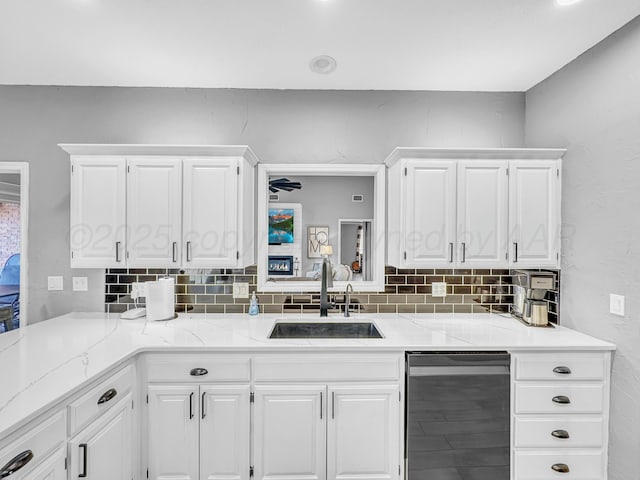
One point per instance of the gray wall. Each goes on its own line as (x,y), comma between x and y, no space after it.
(281,126)
(592,107)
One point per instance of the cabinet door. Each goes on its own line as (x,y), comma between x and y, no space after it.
(430,224)
(534,213)
(210,213)
(482,213)
(154,208)
(98,221)
(102,451)
(363,432)
(289,432)
(53,468)
(224,432)
(172,439)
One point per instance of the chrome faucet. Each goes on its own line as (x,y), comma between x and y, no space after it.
(347,297)
(326,282)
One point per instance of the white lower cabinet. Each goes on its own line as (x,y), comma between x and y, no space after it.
(327,431)
(560,410)
(103,450)
(290,432)
(362,439)
(198,432)
(53,468)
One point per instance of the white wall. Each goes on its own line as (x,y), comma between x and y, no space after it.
(281,126)
(592,107)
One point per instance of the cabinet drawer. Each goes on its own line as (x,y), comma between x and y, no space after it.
(100,398)
(40,439)
(331,367)
(558,432)
(198,367)
(538,465)
(539,398)
(560,366)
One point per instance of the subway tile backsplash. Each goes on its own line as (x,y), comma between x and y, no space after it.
(406,291)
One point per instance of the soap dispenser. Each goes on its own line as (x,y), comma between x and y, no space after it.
(254,308)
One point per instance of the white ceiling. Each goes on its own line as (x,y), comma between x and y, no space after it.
(470,45)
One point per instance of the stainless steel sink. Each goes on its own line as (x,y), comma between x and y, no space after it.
(325,330)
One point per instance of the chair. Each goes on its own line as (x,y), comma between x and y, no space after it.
(10,275)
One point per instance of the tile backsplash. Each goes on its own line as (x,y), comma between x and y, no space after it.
(406,291)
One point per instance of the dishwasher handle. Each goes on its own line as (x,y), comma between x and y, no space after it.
(458,359)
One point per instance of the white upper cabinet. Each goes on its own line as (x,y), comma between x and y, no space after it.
(482,212)
(430,218)
(534,213)
(467,208)
(211,207)
(154,207)
(98,211)
(162,206)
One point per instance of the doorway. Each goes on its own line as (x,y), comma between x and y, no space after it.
(14,182)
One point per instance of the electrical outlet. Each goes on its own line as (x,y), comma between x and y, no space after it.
(240,290)
(616,304)
(55,283)
(80,284)
(439,289)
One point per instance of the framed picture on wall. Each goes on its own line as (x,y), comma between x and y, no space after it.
(316,237)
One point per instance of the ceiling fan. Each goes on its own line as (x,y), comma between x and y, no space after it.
(283,184)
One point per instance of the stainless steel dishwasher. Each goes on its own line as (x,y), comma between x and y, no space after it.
(457,416)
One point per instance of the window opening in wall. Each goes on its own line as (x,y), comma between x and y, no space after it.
(13,177)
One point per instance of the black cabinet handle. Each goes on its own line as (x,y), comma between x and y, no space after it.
(515,252)
(84,448)
(450,252)
(190,405)
(560,434)
(464,252)
(202,405)
(118,251)
(560,467)
(562,370)
(188,251)
(198,372)
(16,463)
(562,399)
(108,395)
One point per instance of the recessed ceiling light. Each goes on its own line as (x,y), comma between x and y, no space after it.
(567,2)
(323,64)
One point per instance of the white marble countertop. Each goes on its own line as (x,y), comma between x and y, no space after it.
(42,364)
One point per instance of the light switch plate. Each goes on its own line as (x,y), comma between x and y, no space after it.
(240,290)
(616,304)
(55,283)
(80,284)
(439,289)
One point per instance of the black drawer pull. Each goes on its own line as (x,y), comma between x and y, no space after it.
(562,399)
(560,434)
(562,370)
(560,467)
(108,395)
(198,372)
(16,463)
(84,448)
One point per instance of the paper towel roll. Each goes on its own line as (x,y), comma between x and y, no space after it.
(160,299)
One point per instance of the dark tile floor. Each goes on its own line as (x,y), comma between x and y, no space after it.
(459,428)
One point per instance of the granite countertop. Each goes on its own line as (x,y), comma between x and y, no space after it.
(42,364)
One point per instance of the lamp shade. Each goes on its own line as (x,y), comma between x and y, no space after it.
(326,250)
